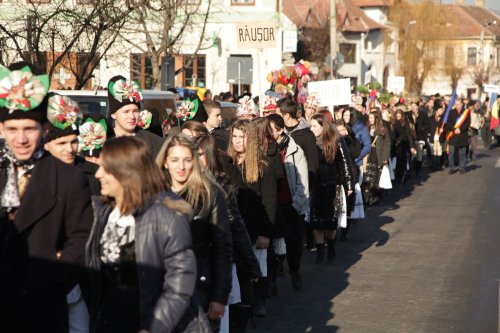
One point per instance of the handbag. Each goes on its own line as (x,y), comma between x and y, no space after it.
(372,171)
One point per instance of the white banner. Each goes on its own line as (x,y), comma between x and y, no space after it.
(490,88)
(256,35)
(332,92)
(396,84)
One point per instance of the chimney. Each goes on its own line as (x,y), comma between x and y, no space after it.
(480,3)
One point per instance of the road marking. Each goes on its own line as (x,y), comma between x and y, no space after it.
(497,165)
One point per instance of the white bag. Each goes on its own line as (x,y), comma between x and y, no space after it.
(385,178)
(358,212)
(342,219)
(392,167)
(279,246)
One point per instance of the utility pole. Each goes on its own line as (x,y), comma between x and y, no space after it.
(333,37)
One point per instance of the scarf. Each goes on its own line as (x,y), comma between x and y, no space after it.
(10,197)
(283,144)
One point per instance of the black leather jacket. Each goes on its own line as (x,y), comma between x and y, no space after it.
(212,245)
(166,265)
(243,254)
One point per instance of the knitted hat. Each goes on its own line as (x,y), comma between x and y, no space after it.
(122,92)
(64,116)
(92,135)
(23,92)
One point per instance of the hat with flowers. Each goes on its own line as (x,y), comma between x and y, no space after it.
(23,92)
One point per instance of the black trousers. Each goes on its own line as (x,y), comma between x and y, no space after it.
(292,235)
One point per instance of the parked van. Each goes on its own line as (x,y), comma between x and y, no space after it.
(159,103)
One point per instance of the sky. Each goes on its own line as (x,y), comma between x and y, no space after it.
(492,4)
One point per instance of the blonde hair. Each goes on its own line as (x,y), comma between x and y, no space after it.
(198,189)
(254,162)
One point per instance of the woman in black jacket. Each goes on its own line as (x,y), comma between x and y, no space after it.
(257,197)
(210,227)
(247,266)
(139,250)
(405,145)
(335,169)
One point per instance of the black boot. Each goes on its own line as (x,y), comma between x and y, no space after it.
(320,253)
(309,236)
(418,168)
(331,249)
(239,316)
(260,293)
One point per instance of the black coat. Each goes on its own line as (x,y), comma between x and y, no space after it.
(221,137)
(55,216)
(89,169)
(402,136)
(212,245)
(462,139)
(257,202)
(166,266)
(422,125)
(243,254)
(153,141)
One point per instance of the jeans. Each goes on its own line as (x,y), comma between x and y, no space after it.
(462,154)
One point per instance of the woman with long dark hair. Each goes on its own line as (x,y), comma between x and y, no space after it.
(405,144)
(245,262)
(210,228)
(257,196)
(139,250)
(334,170)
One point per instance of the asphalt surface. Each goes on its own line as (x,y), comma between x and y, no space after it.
(425,260)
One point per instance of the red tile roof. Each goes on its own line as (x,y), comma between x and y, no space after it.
(461,21)
(373,3)
(314,14)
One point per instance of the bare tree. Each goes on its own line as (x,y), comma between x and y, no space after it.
(419,26)
(162,26)
(61,32)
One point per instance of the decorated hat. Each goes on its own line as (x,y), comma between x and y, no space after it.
(92,136)
(23,92)
(246,107)
(64,116)
(270,103)
(192,109)
(122,92)
(312,101)
(145,119)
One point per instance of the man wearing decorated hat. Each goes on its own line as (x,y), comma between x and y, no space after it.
(45,215)
(124,106)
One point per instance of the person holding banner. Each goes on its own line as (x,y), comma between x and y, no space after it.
(456,127)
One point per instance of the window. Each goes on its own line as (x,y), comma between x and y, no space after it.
(242,2)
(449,56)
(348,51)
(194,73)
(471,56)
(141,70)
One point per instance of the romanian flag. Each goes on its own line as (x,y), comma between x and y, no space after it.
(494,111)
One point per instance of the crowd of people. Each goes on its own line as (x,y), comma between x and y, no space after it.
(107,227)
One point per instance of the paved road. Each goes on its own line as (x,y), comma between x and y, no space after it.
(426,260)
